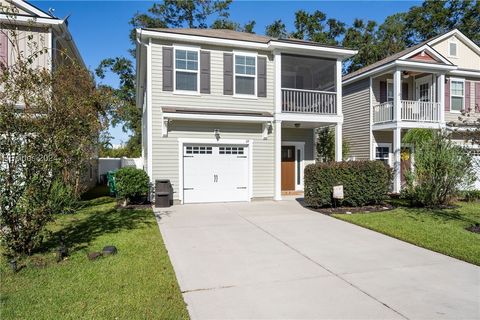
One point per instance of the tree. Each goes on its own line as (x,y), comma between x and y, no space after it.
(316,27)
(326,145)
(362,36)
(49,127)
(276,30)
(441,169)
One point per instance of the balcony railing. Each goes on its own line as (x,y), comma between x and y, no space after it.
(309,101)
(418,111)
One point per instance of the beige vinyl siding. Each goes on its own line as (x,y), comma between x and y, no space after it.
(40,40)
(453,116)
(356,113)
(216,99)
(165,151)
(7,7)
(301,135)
(466,57)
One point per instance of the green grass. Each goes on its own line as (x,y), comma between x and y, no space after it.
(137,283)
(440,230)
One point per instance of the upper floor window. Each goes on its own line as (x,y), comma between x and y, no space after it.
(452,49)
(457,95)
(245,74)
(186,70)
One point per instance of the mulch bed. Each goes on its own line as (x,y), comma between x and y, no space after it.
(475,228)
(356,210)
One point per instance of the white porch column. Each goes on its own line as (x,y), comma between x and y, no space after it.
(338,82)
(397,94)
(278,160)
(278,81)
(338,142)
(441,96)
(397,143)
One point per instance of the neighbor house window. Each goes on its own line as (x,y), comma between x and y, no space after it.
(457,95)
(245,72)
(382,153)
(452,49)
(186,70)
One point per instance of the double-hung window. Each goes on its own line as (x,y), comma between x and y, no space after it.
(457,95)
(245,74)
(186,70)
(382,153)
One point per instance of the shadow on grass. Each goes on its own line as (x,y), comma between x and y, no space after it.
(441,214)
(79,233)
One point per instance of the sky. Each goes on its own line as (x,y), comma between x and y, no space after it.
(101,28)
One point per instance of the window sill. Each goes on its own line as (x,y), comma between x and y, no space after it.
(186,93)
(455,111)
(244,96)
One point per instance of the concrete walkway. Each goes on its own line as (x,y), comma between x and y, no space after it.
(278,260)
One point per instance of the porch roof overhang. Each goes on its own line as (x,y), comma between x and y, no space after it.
(309,119)
(408,125)
(220,115)
(407,65)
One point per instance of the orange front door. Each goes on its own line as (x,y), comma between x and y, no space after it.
(288,168)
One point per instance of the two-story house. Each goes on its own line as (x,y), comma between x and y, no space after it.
(425,86)
(230,116)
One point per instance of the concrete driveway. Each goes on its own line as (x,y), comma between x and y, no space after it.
(278,260)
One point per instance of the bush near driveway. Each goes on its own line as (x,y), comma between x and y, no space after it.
(364,183)
(131,184)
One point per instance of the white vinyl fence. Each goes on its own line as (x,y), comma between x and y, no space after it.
(109,164)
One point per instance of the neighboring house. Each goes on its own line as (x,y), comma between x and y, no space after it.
(230,116)
(36,29)
(425,86)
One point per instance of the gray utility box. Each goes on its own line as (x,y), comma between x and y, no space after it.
(163,193)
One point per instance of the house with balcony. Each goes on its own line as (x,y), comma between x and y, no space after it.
(230,116)
(424,86)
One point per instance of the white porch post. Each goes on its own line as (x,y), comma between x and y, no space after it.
(278,160)
(441,96)
(397,94)
(278,81)
(397,136)
(338,142)
(338,82)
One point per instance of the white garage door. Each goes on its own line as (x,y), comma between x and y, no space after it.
(215,173)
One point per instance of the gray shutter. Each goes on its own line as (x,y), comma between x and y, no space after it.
(167,73)
(383,91)
(204,71)
(228,73)
(262,77)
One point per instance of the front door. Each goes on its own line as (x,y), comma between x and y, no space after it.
(424,89)
(288,168)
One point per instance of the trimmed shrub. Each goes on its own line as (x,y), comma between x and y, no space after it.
(132,185)
(62,198)
(364,183)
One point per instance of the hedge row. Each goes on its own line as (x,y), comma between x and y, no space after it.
(364,183)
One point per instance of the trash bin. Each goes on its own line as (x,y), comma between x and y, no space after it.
(163,193)
(111,183)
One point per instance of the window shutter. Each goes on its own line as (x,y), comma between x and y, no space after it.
(467,105)
(383,91)
(404,91)
(447,95)
(477,97)
(205,71)
(167,73)
(262,77)
(3,48)
(228,73)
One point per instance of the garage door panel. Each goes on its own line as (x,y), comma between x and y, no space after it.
(215,173)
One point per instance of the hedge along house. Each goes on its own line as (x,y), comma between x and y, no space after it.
(425,86)
(230,116)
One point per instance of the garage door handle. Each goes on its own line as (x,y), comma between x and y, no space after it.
(241,187)
(215,178)
(241,156)
(187,188)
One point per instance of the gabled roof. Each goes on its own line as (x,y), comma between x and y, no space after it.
(472,45)
(407,53)
(30,8)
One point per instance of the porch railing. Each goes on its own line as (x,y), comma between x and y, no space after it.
(309,101)
(418,111)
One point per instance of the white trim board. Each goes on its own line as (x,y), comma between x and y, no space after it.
(215,117)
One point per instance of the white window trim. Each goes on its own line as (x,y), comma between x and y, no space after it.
(456,44)
(188,48)
(457,80)
(214,142)
(299,145)
(239,95)
(390,154)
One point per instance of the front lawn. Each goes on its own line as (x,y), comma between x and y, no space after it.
(137,283)
(438,230)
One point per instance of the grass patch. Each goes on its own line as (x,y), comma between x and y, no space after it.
(137,283)
(440,230)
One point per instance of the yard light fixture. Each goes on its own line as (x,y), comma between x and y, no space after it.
(13,265)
